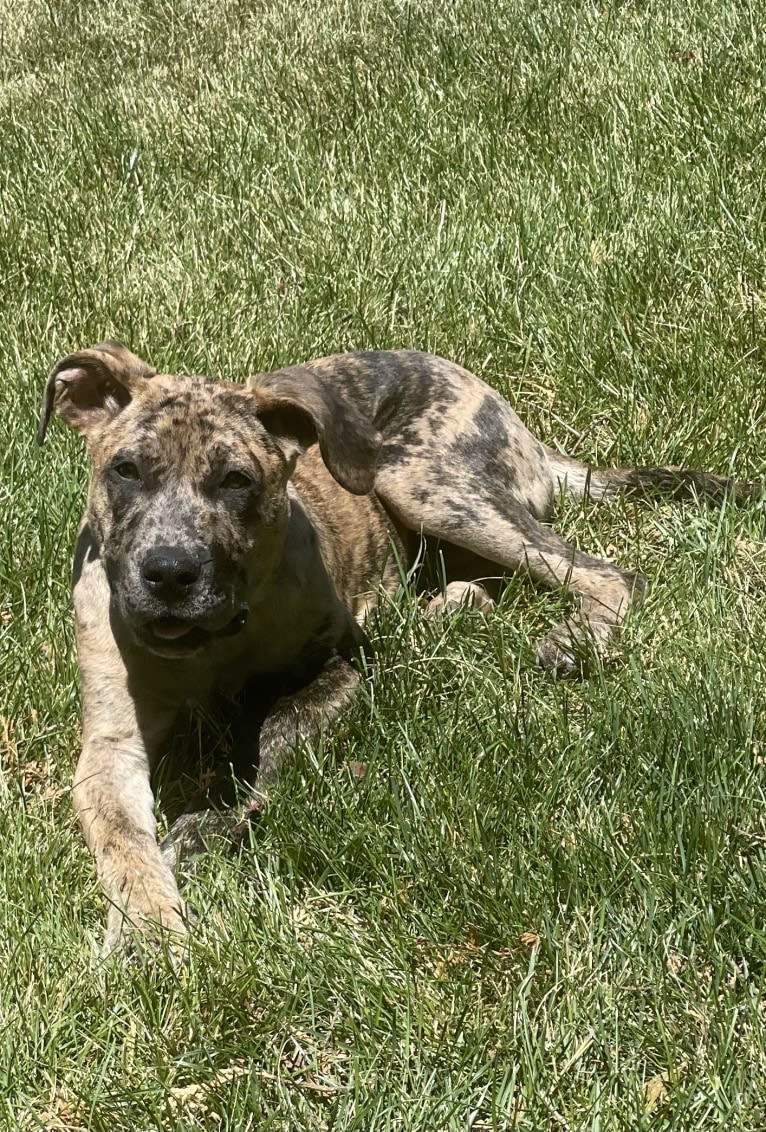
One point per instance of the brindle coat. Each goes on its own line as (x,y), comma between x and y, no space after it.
(222,546)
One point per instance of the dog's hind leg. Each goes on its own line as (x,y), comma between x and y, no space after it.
(505,533)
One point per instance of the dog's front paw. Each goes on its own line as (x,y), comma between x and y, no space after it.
(192,834)
(146,918)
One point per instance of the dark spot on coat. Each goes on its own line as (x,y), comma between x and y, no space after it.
(86,550)
(482,455)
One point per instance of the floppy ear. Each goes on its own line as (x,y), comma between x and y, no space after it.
(298,408)
(88,387)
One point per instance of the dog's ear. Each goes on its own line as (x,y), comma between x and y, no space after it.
(88,387)
(298,408)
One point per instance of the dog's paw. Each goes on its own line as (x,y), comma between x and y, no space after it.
(193,834)
(573,647)
(460,595)
(145,926)
(251,815)
(552,655)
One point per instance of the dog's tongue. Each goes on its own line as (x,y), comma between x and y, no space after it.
(170,629)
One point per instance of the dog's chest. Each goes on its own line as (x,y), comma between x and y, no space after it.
(355,537)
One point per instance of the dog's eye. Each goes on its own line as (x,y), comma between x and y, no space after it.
(127,470)
(236,481)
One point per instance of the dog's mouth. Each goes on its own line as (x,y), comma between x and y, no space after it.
(177,636)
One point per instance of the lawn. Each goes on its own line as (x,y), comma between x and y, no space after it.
(488,900)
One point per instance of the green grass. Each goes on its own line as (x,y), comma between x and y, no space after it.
(543,907)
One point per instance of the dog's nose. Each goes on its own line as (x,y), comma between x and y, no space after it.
(170,571)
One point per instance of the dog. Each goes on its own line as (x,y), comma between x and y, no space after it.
(237,536)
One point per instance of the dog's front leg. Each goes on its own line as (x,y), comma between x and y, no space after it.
(300,716)
(113,799)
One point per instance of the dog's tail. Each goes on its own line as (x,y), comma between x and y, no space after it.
(587,482)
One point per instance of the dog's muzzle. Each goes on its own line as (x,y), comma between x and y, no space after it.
(179,636)
(173,603)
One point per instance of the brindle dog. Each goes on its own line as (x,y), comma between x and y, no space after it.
(237,533)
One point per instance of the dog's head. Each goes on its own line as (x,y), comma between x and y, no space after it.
(188,498)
